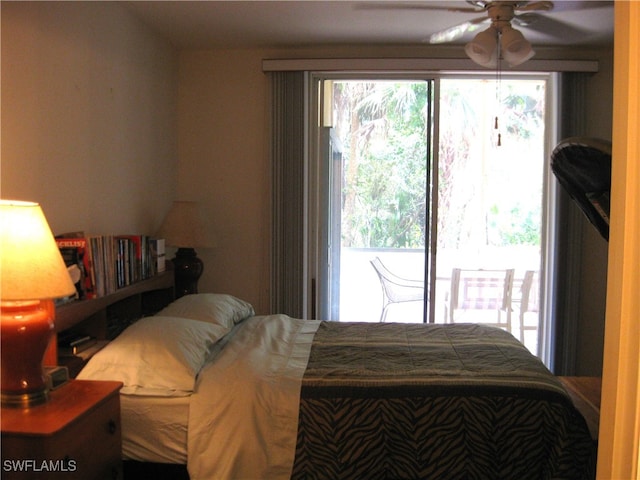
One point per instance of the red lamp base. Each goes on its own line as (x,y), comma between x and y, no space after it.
(25,331)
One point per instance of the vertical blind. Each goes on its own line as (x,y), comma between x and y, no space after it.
(567,265)
(289,117)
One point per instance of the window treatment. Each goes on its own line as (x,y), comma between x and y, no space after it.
(289,118)
(567,265)
(290,285)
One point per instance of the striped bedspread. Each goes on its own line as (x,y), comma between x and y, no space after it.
(407,401)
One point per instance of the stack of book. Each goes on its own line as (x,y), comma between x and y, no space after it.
(78,345)
(99,265)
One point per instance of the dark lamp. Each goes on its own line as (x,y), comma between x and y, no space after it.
(186,228)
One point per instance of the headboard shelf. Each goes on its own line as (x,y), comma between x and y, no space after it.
(70,314)
(103,318)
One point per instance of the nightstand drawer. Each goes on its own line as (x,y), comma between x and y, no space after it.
(87,446)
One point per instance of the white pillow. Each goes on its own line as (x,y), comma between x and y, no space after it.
(159,356)
(220,308)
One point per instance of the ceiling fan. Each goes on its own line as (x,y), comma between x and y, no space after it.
(500,37)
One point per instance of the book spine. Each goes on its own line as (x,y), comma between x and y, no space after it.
(76,254)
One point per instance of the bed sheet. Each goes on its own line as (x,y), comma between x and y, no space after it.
(154,429)
(244,413)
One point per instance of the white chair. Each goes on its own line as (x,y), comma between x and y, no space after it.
(530,302)
(480,296)
(396,289)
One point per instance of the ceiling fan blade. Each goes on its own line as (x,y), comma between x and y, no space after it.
(550,26)
(535,6)
(574,5)
(453,33)
(386,5)
(526,19)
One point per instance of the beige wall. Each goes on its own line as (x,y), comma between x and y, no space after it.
(593,284)
(224,155)
(88,116)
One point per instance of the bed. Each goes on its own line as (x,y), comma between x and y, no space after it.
(229,394)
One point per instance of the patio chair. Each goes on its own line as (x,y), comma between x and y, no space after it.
(396,289)
(530,301)
(480,296)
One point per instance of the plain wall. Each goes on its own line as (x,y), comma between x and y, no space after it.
(88,116)
(224,163)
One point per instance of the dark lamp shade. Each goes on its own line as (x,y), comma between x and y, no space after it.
(185,226)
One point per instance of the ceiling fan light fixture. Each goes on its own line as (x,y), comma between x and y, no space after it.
(483,49)
(515,48)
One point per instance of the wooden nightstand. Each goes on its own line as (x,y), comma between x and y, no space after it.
(76,432)
(585,393)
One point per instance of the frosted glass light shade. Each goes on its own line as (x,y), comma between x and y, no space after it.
(483,49)
(31,267)
(515,48)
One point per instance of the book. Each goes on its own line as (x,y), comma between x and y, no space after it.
(75,252)
(92,350)
(78,347)
(102,264)
(158,255)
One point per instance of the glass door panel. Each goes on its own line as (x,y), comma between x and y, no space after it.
(490,184)
(382,127)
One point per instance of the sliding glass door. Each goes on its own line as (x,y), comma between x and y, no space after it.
(421,179)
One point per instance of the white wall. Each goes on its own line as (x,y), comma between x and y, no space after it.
(88,116)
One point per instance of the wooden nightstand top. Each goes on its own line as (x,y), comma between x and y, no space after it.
(585,393)
(65,405)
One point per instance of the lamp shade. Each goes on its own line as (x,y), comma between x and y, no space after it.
(186,227)
(31,267)
(483,49)
(515,48)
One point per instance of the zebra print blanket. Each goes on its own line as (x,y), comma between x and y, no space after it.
(407,401)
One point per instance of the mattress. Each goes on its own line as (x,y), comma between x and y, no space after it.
(154,429)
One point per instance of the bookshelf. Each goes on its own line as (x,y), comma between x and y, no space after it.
(105,317)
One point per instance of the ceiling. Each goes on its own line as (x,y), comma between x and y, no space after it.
(279,24)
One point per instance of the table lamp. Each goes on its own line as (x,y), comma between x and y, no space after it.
(32,274)
(186,228)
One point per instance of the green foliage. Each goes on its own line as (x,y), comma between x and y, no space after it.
(385,168)
(389,184)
